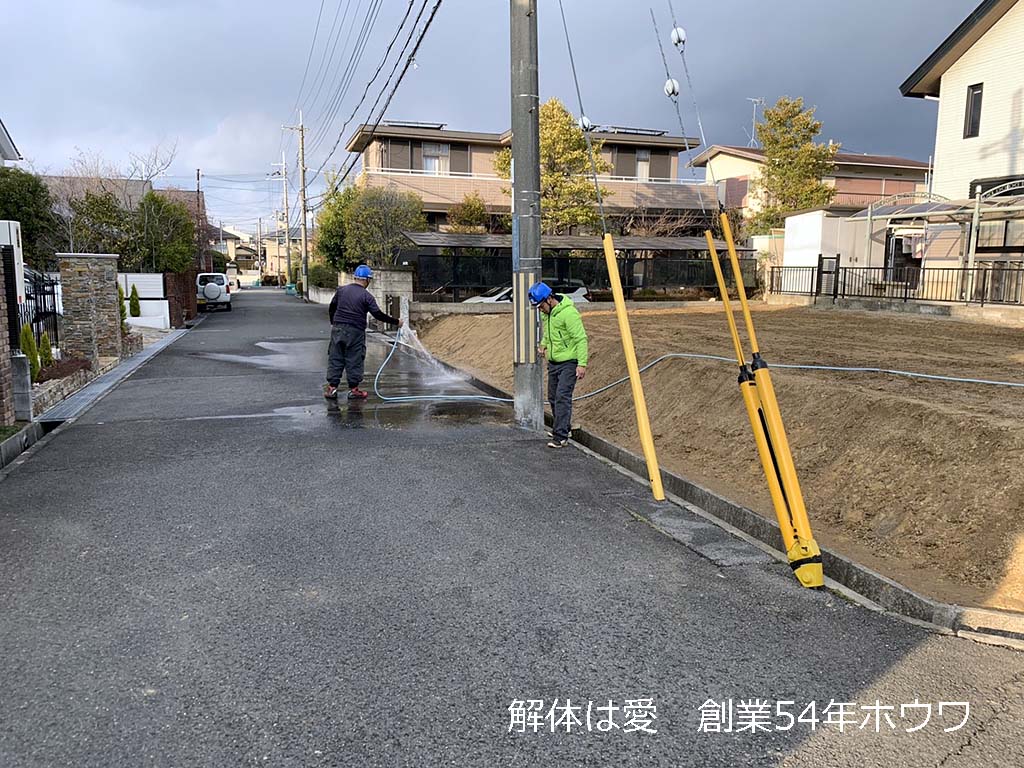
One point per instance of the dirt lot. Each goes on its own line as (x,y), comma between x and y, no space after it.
(921,480)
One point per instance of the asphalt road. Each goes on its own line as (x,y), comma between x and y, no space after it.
(214,567)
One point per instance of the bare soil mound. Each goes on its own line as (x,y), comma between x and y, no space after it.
(921,480)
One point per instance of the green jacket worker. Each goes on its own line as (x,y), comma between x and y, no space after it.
(564,342)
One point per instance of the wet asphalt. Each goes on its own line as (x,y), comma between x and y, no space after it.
(216,567)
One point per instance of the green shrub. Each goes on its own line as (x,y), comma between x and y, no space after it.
(29,349)
(133,302)
(323,276)
(121,309)
(45,351)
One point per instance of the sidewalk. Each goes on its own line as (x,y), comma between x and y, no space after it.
(213,566)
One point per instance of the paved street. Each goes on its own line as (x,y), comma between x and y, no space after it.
(215,567)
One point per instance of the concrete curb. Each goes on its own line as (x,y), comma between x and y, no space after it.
(43,435)
(981,624)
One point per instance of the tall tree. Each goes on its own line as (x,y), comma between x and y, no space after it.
(791,177)
(567,195)
(470,215)
(164,235)
(374,221)
(24,198)
(330,225)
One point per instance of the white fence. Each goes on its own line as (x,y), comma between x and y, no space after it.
(156,312)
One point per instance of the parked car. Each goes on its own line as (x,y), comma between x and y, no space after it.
(213,289)
(574,289)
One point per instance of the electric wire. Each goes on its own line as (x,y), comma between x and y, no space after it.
(309,58)
(584,124)
(373,78)
(693,92)
(679,114)
(337,181)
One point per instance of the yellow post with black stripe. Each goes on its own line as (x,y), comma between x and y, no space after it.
(804,554)
(643,422)
(752,401)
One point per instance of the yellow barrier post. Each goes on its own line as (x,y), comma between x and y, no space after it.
(805,555)
(748,389)
(643,422)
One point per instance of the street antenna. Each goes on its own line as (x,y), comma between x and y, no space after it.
(757,102)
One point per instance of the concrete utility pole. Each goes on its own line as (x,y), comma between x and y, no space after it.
(287,226)
(526,258)
(199,227)
(302,202)
(259,244)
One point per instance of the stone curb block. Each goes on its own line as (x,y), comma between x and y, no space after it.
(984,624)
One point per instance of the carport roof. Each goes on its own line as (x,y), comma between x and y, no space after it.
(561,242)
(992,208)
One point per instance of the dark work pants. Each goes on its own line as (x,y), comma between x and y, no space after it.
(561,384)
(347,353)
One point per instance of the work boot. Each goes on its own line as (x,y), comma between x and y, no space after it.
(330,392)
(357,394)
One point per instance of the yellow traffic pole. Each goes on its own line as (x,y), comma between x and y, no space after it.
(748,389)
(805,555)
(643,422)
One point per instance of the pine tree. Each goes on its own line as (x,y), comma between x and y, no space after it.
(133,302)
(29,349)
(45,351)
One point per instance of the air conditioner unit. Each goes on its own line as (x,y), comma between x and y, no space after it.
(10,234)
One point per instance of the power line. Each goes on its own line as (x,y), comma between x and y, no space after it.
(309,58)
(408,63)
(376,73)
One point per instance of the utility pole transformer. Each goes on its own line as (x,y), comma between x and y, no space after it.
(528,372)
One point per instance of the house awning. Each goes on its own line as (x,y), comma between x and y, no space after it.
(992,209)
(562,242)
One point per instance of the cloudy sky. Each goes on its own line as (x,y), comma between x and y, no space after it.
(217,78)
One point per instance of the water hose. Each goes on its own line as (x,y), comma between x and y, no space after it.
(684,356)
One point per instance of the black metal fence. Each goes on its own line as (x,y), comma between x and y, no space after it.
(42,309)
(453,278)
(989,283)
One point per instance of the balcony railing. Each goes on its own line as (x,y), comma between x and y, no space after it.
(495,177)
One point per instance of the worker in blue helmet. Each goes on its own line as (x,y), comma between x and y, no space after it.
(564,343)
(347,350)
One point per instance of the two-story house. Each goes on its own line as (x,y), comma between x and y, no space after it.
(442,166)
(859,180)
(977,77)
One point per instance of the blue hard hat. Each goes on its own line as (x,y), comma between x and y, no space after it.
(364,272)
(539,292)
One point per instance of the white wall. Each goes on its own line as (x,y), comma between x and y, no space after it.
(149,284)
(805,235)
(156,313)
(997,62)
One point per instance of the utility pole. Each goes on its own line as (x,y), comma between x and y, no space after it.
(199,226)
(302,203)
(526,258)
(259,244)
(287,226)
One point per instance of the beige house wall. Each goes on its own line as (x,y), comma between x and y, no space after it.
(997,62)
(723,166)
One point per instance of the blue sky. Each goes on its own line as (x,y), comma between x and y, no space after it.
(218,78)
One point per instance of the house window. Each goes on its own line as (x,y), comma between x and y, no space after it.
(643,164)
(435,159)
(972,119)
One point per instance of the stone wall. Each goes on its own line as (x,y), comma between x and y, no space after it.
(92,319)
(387,281)
(6,383)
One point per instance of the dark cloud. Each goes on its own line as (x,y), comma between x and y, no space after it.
(220,77)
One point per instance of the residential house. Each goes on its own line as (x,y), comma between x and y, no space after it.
(223,241)
(977,77)
(8,151)
(858,180)
(276,252)
(443,166)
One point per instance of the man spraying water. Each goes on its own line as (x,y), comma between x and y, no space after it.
(347,351)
